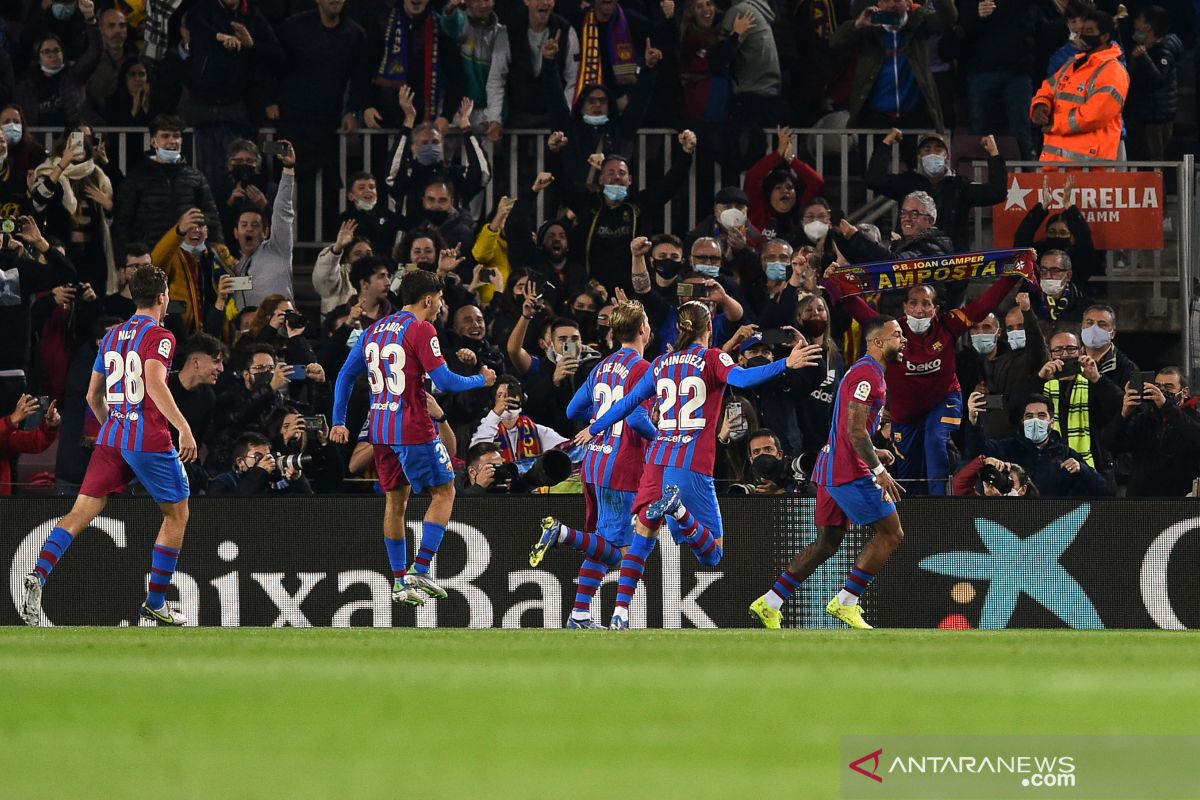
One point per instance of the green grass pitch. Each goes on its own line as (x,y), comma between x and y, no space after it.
(253,713)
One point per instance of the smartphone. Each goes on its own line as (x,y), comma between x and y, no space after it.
(778,336)
(97,138)
(176,307)
(1139,379)
(297,372)
(429,386)
(43,402)
(1070,367)
(486,274)
(689,289)
(734,416)
(274,148)
(241,283)
(75,140)
(570,349)
(885,18)
(316,423)
(994,402)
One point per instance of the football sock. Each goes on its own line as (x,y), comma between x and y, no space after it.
(56,544)
(590,545)
(681,514)
(162,568)
(856,583)
(784,587)
(397,554)
(632,567)
(591,575)
(431,540)
(700,539)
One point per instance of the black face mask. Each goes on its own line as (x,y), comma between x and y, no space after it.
(1057,243)
(262,379)
(437,217)
(813,328)
(586,320)
(242,173)
(757,361)
(1090,43)
(666,268)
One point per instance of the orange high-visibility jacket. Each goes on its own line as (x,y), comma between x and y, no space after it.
(1085,98)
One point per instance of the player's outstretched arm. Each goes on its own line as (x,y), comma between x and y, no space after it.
(626,405)
(451,382)
(156,388)
(354,366)
(745,377)
(640,421)
(581,402)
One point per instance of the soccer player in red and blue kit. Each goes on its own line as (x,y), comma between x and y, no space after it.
(677,477)
(397,352)
(611,466)
(853,484)
(128,390)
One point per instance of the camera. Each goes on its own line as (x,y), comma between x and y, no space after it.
(274,148)
(296,461)
(998,479)
(295,319)
(551,467)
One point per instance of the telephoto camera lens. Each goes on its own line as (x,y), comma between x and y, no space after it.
(296,461)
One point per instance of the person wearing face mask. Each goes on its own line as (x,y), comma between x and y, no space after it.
(778,186)
(245,403)
(774,289)
(1098,332)
(996,54)
(195,268)
(508,425)
(596,124)
(442,212)
(255,472)
(419,158)
(1066,231)
(69,20)
(926,399)
(24,150)
(1158,430)
(54,91)
(1153,84)
(1040,450)
(954,195)
(372,218)
(729,222)
(546,248)
(608,220)
(1060,300)
(1073,13)
(161,187)
(814,409)
(1013,373)
(1079,108)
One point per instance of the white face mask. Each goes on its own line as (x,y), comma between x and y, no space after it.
(364,205)
(1015,492)
(732,218)
(984,343)
(167,156)
(12,131)
(509,417)
(1016,339)
(1053,288)
(1095,337)
(816,229)
(919,324)
(1036,430)
(933,164)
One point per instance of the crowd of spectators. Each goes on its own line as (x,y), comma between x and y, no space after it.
(1046,400)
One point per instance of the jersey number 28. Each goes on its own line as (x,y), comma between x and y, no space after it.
(124,383)
(389,359)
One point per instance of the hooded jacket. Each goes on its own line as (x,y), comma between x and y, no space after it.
(1154,82)
(152,198)
(1084,100)
(755,68)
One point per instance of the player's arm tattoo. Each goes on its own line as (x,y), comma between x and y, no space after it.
(859,414)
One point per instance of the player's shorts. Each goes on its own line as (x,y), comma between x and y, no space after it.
(697,492)
(425,465)
(862,501)
(614,520)
(112,469)
(387,467)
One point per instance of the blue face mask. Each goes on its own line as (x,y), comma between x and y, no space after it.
(62,11)
(595,120)
(616,192)
(984,343)
(167,156)
(429,154)
(1016,340)
(1036,430)
(777,271)
(707,270)
(194,249)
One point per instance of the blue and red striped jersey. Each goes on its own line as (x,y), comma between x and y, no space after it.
(614,459)
(399,351)
(134,421)
(838,462)
(690,385)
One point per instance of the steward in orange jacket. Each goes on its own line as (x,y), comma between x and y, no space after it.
(1079,108)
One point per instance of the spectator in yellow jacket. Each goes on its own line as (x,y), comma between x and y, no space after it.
(194,267)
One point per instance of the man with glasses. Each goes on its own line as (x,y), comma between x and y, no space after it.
(119,303)
(1159,429)
(1084,401)
(1060,300)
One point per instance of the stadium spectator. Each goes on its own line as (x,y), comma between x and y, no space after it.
(68,21)
(541,36)
(1083,401)
(1059,299)
(546,248)
(757,81)
(969,482)
(1073,13)
(14,440)
(769,464)
(777,188)
(134,101)
(1087,126)
(996,54)
(773,288)
(705,54)
(1159,430)
(518,435)
(24,151)
(596,123)
(953,194)
(490,253)
(466,348)
(292,434)
(814,410)
(609,220)
(79,426)
(1153,84)
(1056,469)
(776,401)
(547,380)
(1067,231)
(256,472)
(331,272)
(373,220)
(478,477)
(54,94)
(442,211)
(160,188)
(1010,369)
(896,91)
(266,248)
(116,51)
(1097,336)
(245,403)
(194,267)
(416,54)
(202,360)
(242,185)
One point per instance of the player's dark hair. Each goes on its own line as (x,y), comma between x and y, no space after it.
(875,325)
(247,354)
(1039,398)
(205,345)
(167,122)
(146,285)
(417,285)
(366,267)
(693,321)
(1104,22)
(479,450)
(136,249)
(242,444)
(626,321)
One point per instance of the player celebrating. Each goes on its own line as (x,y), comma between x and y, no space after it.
(852,483)
(397,352)
(128,390)
(611,466)
(689,383)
